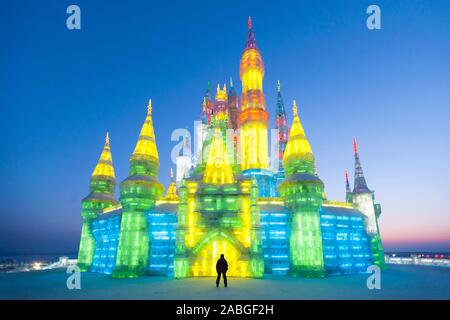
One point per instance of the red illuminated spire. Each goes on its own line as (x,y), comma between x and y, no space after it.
(355,146)
(249,22)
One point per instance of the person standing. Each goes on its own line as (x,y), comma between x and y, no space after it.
(221,268)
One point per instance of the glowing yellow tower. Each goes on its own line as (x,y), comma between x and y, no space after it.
(253,118)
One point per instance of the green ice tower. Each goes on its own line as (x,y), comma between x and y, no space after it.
(101,196)
(138,193)
(364,199)
(302,193)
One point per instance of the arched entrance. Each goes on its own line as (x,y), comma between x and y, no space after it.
(209,250)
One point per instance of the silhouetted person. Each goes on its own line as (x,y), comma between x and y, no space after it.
(221,268)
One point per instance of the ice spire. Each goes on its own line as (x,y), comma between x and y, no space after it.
(171,194)
(360,185)
(233,112)
(298,156)
(146,145)
(233,116)
(297,127)
(281,125)
(251,40)
(105,165)
(347,184)
(203,114)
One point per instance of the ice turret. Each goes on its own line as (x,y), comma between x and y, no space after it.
(364,199)
(101,196)
(138,193)
(302,193)
(253,118)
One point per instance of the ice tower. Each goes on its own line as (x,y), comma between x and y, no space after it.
(364,200)
(138,193)
(302,193)
(253,118)
(101,196)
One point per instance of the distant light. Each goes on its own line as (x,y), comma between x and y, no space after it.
(37,265)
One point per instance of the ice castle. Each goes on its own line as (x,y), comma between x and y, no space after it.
(227,198)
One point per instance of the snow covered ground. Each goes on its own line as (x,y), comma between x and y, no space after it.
(398,282)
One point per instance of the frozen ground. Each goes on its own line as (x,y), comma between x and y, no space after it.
(398,282)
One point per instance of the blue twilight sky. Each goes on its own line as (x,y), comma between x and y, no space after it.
(61,90)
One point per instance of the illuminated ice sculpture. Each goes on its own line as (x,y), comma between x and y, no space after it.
(265,218)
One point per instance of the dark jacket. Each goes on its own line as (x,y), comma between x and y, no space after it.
(221,265)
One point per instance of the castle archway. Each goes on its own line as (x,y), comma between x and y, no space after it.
(208,251)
